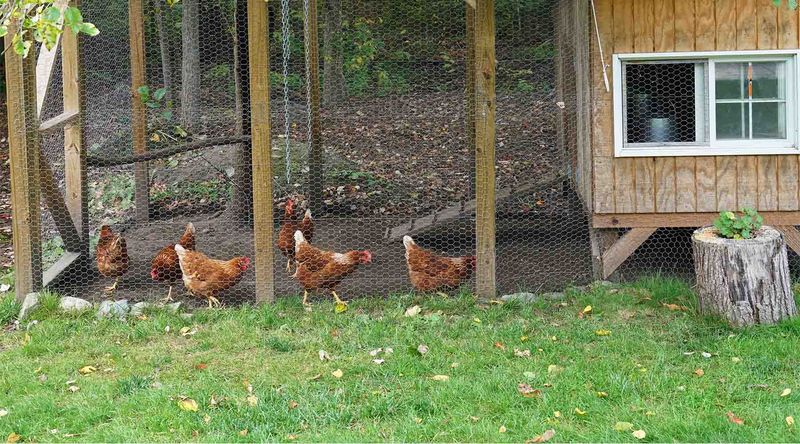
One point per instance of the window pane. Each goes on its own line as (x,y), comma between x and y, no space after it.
(769,121)
(768,81)
(731,80)
(733,121)
(660,102)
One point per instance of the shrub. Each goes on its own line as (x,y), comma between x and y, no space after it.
(732,226)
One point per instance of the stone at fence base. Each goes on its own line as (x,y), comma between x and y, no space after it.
(527,298)
(69,303)
(30,303)
(138,308)
(174,307)
(116,309)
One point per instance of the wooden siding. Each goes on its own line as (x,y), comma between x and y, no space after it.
(687,184)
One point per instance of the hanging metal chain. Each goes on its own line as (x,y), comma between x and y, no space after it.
(286,32)
(307,44)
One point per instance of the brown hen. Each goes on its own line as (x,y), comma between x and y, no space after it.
(112,256)
(165,266)
(207,278)
(290,224)
(430,272)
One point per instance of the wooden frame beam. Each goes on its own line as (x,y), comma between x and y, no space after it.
(258,56)
(624,248)
(316,156)
(791,235)
(45,64)
(23,137)
(485,108)
(139,116)
(681,220)
(58,122)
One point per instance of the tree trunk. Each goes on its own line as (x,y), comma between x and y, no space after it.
(166,60)
(334,89)
(745,281)
(190,72)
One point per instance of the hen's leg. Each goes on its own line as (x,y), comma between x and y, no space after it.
(213,302)
(305,298)
(110,290)
(289,265)
(169,296)
(340,305)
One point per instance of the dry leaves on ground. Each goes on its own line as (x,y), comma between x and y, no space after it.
(544,437)
(734,419)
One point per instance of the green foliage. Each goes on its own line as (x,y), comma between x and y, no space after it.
(9,308)
(52,250)
(744,226)
(368,65)
(39,21)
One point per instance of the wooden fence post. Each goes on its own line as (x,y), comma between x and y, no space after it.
(485,107)
(316,156)
(139,112)
(469,7)
(258,56)
(23,138)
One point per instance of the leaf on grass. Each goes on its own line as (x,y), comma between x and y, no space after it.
(3,412)
(602,394)
(528,391)
(73,388)
(786,392)
(522,353)
(375,352)
(790,421)
(736,360)
(440,378)
(699,372)
(544,437)
(252,400)
(338,373)
(340,307)
(206,419)
(201,366)
(734,419)
(4,288)
(622,426)
(324,356)
(186,332)
(579,412)
(502,429)
(378,361)
(291,437)
(500,345)
(13,437)
(553,369)
(602,332)
(87,370)
(293,404)
(243,432)
(639,434)
(585,312)
(422,349)
(706,355)
(413,311)
(675,307)
(556,414)
(315,377)
(188,404)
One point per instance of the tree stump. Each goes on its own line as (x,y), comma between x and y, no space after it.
(745,281)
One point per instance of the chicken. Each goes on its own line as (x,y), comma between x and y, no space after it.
(318,269)
(429,272)
(112,256)
(289,225)
(165,266)
(206,277)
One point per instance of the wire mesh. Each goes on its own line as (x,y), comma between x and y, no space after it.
(396,151)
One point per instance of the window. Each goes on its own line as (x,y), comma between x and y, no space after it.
(689,104)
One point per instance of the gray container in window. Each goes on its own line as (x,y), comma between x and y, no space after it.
(661,130)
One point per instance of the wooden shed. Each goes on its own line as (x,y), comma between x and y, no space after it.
(682,109)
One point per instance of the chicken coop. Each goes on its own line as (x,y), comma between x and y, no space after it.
(557,141)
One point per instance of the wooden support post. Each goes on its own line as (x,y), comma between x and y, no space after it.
(23,137)
(470,89)
(623,248)
(316,155)
(258,56)
(601,240)
(139,112)
(485,106)
(76,192)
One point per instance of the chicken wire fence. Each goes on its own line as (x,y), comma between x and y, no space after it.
(396,156)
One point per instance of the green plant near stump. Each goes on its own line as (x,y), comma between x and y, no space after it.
(732,226)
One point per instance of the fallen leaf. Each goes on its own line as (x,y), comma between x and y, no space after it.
(315,377)
(500,345)
(699,372)
(706,355)
(474,418)
(602,332)
(556,414)
(324,356)
(675,307)
(340,307)
(786,392)
(13,437)
(522,353)
(206,419)
(418,420)
(495,302)
(440,378)
(454,365)
(4,288)
(528,391)
(552,369)
(293,404)
(186,332)
(621,426)
(790,421)
(639,434)
(252,400)
(87,369)
(375,352)
(3,412)
(580,412)
(422,349)
(602,395)
(291,437)
(735,360)
(544,437)
(413,311)
(188,404)
(243,432)
(201,366)
(523,338)
(338,373)
(585,312)
(502,429)
(649,413)
(734,419)
(476,320)
(378,361)
(73,388)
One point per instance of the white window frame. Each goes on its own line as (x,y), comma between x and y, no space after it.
(712,147)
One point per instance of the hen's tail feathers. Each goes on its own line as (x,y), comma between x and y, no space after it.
(307,215)
(298,239)
(180,250)
(189,229)
(408,241)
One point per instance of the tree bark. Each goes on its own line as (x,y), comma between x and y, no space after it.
(163,42)
(744,281)
(190,72)
(334,89)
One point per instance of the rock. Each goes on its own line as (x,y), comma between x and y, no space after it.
(186,316)
(116,309)
(138,308)
(68,303)
(552,295)
(30,303)
(523,297)
(174,307)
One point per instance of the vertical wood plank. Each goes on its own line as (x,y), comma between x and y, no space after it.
(705,170)
(747,166)
(726,183)
(469,123)
(746,24)
(624,168)
(685,185)
(706,177)
(767,24)
(725,24)
(316,156)
(684,25)
(485,107)
(787,28)
(767,183)
(258,57)
(580,26)
(643,25)
(705,29)
(788,183)
(139,112)
(643,32)
(602,112)
(664,25)
(75,177)
(664,30)
(23,141)
(726,168)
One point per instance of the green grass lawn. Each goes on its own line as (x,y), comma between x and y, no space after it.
(639,373)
